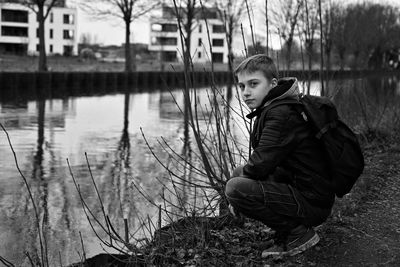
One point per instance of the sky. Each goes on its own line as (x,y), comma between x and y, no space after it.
(111,30)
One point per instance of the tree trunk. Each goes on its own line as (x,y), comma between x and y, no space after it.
(341,53)
(328,60)
(289,44)
(328,68)
(355,63)
(267,25)
(187,64)
(229,44)
(128,58)
(42,45)
(321,72)
(309,52)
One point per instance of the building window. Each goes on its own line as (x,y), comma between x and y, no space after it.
(218,28)
(199,54)
(51,33)
(165,41)
(51,17)
(10,15)
(217,57)
(37,32)
(68,50)
(14,31)
(200,42)
(68,34)
(37,48)
(168,56)
(15,49)
(169,28)
(68,19)
(217,42)
(200,27)
(51,48)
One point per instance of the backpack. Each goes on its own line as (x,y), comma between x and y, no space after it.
(343,150)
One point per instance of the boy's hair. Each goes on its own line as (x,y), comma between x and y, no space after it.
(259,62)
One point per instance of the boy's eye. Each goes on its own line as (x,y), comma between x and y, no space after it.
(241,86)
(253,84)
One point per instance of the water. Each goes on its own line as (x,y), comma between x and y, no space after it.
(44,133)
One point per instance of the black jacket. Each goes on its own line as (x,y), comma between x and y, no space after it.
(285,148)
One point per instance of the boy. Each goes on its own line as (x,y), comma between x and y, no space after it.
(285,183)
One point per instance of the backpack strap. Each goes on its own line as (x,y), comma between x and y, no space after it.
(325,129)
(298,105)
(282,102)
(258,111)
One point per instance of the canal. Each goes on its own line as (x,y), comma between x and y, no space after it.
(46,129)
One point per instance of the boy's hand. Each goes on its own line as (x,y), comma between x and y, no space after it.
(234,212)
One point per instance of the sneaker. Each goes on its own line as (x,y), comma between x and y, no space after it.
(299,240)
(278,247)
(275,250)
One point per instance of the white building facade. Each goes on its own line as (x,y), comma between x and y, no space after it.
(165,39)
(19,30)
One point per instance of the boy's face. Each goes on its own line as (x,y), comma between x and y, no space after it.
(254,87)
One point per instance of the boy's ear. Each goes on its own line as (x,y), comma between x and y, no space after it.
(274,82)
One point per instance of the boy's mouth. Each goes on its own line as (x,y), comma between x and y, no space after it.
(248,101)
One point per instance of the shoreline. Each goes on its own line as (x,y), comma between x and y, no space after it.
(224,240)
(61,84)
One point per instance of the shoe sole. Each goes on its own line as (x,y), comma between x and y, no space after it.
(310,243)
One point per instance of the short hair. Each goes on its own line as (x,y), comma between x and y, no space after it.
(259,62)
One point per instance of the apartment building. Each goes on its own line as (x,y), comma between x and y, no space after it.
(165,40)
(19,32)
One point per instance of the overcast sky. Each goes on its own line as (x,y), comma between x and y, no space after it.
(111,31)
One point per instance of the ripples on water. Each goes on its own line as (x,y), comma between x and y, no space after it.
(46,132)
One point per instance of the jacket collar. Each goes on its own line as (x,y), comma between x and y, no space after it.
(286,88)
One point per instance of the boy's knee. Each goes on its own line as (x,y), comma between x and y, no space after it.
(231,187)
(239,187)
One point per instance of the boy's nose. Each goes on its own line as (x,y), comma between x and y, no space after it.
(246,91)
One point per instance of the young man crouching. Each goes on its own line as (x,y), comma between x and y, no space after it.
(285,183)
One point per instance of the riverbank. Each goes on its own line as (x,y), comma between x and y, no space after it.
(363,229)
(11,63)
(32,85)
(14,63)
(18,64)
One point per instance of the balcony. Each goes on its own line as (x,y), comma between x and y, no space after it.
(10,15)
(14,31)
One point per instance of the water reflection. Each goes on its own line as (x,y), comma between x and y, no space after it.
(47,131)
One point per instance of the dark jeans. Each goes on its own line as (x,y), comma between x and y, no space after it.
(280,206)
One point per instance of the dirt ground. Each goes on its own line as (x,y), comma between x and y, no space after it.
(363,230)
(366,233)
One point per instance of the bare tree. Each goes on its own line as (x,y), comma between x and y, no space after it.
(186,12)
(127,10)
(355,36)
(42,9)
(321,42)
(285,16)
(231,11)
(88,38)
(328,27)
(309,26)
(383,25)
(338,33)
